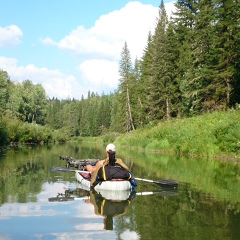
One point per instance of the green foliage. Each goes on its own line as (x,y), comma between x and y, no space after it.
(3,133)
(14,130)
(110,137)
(60,135)
(125,86)
(13,127)
(190,66)
(33,102)
(34,133)
(205,135)
(158,144)
(4,89)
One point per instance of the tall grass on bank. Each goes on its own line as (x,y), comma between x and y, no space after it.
(209,134)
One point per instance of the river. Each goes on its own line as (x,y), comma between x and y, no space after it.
(37,203)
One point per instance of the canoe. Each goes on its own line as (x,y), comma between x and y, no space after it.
(84,181)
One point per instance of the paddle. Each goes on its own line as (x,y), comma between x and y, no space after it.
(65,199)
(59,169)
(164,193)
(62,198)
(162,183)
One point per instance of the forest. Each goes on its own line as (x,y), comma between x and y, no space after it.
(190,67)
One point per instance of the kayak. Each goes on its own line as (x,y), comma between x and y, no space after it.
(85,178)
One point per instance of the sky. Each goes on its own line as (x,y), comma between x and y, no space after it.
(72,47)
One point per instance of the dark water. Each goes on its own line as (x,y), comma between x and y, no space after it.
(36,203)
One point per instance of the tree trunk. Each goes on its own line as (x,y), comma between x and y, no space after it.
(167,109)
(130,120)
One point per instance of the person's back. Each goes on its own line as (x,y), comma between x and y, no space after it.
(114,167)
(111,168)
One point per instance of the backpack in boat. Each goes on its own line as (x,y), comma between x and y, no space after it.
(109,172)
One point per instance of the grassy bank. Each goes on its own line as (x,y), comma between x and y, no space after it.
(215,134)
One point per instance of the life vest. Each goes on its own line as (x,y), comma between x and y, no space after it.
(95,178)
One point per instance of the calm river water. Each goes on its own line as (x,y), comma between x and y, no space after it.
(36,203)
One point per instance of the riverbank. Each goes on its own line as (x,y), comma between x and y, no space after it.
(213,135)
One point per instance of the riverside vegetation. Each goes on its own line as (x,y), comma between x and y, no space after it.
(210,135)
(182,96)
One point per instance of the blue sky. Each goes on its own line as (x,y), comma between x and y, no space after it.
(73,46)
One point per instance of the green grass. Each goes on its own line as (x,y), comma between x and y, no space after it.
(206,135)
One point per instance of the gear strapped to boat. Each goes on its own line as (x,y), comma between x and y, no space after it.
(109,172)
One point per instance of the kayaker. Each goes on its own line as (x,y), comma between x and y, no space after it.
(110,151)
(111,168)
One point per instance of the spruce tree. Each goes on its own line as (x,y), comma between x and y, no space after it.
(183,21)
(125,72)
(227,50)
(158,85)
(137,96)
(146,79)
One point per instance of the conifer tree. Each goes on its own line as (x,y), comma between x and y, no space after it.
(173,105)
(227,51)
(104,114)
(183,22)
(159,83)
(125,71)
(136,92)
(146,78)
(198,78)
(117,114)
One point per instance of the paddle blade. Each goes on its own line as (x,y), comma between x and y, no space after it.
(162,183)
(167,183)
(59,169)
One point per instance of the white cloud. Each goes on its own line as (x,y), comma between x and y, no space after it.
(10,36)
(106,38)
(100,72)
(96,51)
(48,41)
(99,48)
(170,8)
(55,83)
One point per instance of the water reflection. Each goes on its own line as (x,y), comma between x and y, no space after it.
(108,204)
(205,206)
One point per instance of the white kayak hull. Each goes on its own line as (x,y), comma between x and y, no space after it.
(105,185)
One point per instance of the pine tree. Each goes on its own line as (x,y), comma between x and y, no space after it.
(125,71)
(146,78)
(136,95)
(104,114)
(183,22)
(227,52)
(199,87)
(158,94)
(173,109)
